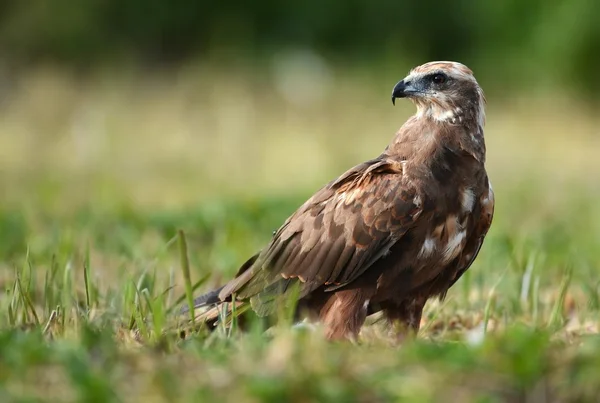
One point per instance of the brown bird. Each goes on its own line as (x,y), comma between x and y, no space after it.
(391,232)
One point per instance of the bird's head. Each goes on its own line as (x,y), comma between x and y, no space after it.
(443,91)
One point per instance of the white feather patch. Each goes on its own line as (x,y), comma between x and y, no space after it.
(454,246)
(427,248)
(417,201)
(467,199)
(444,115)
(490,196)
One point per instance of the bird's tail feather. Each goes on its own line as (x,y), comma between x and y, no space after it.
(211,310)
(223,313)
(210,298)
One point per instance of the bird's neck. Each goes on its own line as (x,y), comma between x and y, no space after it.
(446,113)
(422,137)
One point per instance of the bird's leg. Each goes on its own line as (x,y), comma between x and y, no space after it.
(345,312)
(404,317)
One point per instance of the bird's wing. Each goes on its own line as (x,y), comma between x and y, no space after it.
(336,235)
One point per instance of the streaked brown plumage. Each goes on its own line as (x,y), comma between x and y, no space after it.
(393,231)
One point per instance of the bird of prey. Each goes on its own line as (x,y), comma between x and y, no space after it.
(392,232)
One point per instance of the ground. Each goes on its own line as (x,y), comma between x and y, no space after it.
(100,176)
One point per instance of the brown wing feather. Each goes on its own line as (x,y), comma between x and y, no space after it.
(337,234)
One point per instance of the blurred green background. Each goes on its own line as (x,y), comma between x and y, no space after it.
(510,43)
(124,121)
(150,98)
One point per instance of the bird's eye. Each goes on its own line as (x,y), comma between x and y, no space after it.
(438,78)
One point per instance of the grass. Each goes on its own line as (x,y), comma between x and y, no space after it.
(111,220)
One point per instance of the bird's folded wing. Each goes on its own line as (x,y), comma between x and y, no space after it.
(337,234)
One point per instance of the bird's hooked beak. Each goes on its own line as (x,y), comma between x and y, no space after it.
(402,90)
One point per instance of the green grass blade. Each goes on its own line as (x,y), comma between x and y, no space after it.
(556,317)
(185,267)
(86,280)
